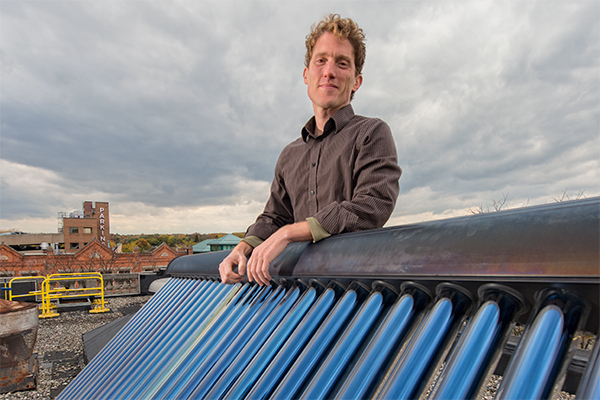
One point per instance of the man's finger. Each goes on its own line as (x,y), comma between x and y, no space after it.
(265,273)
(223,271)
(254,269)
(259,276)
(242,267)
(250,268)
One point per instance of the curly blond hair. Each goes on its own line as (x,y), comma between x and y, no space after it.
(342,28)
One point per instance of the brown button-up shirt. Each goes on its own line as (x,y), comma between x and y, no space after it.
(346,178)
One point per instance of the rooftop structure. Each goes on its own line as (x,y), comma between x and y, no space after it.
(227,242)
(75,230)
(81,227)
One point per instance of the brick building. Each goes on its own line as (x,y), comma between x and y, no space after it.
(81,227)
(86,248)
(75,230)
(93,257)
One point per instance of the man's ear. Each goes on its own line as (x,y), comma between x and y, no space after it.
(357,82)
(305,75)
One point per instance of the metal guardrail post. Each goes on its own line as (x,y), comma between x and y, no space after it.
(47,307)
(98,306)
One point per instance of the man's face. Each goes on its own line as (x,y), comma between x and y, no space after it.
(331,74)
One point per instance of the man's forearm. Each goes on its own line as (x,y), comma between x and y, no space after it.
(298,232)
(245,248)
(263,255)
(317,231)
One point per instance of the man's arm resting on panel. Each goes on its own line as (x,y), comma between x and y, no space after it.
(273,246)
(264,252)
(316,229)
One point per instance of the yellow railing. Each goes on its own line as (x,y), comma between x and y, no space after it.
(52,290)
(36,278)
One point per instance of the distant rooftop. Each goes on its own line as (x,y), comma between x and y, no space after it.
(223,243)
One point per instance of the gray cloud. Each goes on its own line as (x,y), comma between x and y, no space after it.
(174,104)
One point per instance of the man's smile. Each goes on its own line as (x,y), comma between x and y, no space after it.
(328,85)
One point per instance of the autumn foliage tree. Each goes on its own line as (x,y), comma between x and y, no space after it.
(129,242)
(143,244)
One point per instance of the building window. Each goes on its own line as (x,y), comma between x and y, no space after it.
(87,230)
(74,246)
(3,258)
(73,230)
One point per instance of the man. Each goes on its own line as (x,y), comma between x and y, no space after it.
(340,176)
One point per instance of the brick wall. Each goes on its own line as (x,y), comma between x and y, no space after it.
(94,257)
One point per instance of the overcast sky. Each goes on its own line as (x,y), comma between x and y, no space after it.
(175,112)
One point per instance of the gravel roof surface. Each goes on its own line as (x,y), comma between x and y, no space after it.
(59,346)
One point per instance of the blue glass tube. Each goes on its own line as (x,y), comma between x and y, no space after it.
(293,346)
(146,350)
(318,345)
(127,331)
(363,377)
(243,373)
(135,343)
(413,364)
(248,344)
(529,371)
(590,384)
(463,367)
(227,340)
(337,360)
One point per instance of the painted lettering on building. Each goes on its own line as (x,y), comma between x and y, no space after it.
(102,227)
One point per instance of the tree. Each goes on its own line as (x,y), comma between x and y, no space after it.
(127,248)
(496,205)
(142,244)
(565,197)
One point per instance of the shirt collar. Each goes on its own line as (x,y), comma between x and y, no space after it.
(334,124)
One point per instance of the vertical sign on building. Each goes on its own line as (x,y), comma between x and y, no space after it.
(102,231)
(103,224)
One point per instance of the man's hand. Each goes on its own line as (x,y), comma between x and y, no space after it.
(267,251)
(236,259)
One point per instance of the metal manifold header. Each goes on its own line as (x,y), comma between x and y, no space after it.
(529,249)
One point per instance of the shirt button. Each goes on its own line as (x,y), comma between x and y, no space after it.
(313,164)
(312,192)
